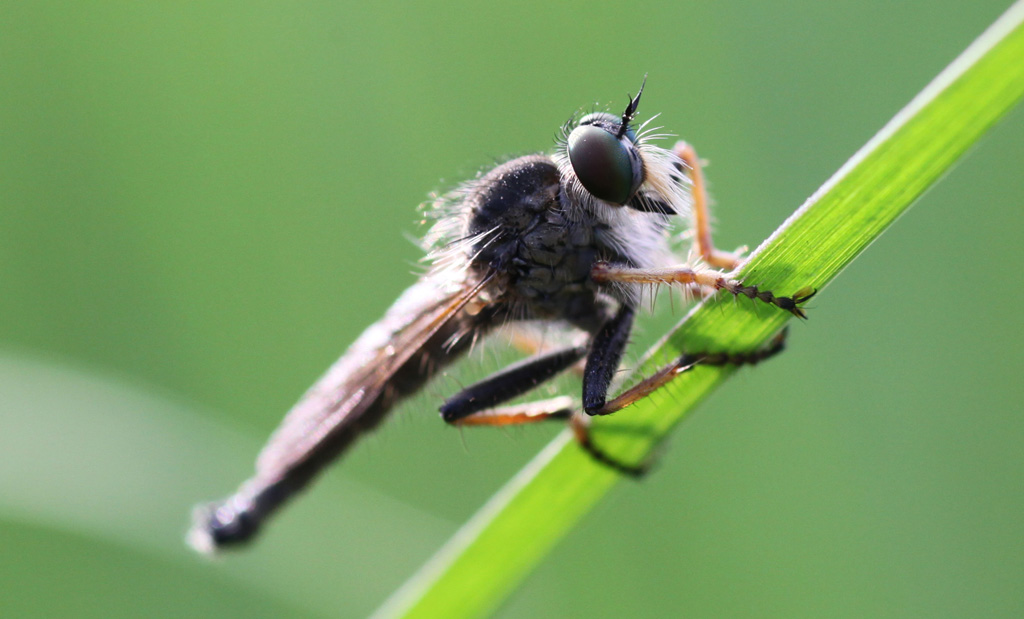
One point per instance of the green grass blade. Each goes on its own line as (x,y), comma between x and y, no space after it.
(491,554)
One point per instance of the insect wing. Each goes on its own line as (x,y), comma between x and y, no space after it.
(354,383)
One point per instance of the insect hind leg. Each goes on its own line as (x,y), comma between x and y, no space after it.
(507,384)
(558,408)
(561,407)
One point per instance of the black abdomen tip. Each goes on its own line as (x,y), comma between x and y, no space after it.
(216,526)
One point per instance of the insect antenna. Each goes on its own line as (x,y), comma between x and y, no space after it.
(627,116)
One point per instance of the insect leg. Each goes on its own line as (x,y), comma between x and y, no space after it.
(603,360)
(560,407)
(701,215)
(513,381)
(531,342)
(581,424)
(604,272)
(685,362)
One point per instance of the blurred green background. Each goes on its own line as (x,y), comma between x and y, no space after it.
(202,205)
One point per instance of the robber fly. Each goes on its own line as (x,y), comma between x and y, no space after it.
(571,237)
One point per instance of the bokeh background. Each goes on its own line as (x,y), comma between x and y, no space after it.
(202,205)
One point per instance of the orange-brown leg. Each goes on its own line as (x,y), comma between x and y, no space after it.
(701,214)
(560,407)
(604,272)
(563,407)
(580,423)
(685,362)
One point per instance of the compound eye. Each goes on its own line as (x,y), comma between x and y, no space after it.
(604,164)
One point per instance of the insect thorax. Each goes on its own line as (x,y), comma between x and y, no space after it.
(540,247)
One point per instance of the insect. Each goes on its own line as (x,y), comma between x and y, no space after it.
(570,237)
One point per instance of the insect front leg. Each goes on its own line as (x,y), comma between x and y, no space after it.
(701,213)
(607,273)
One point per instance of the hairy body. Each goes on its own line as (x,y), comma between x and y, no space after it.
(569,237)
